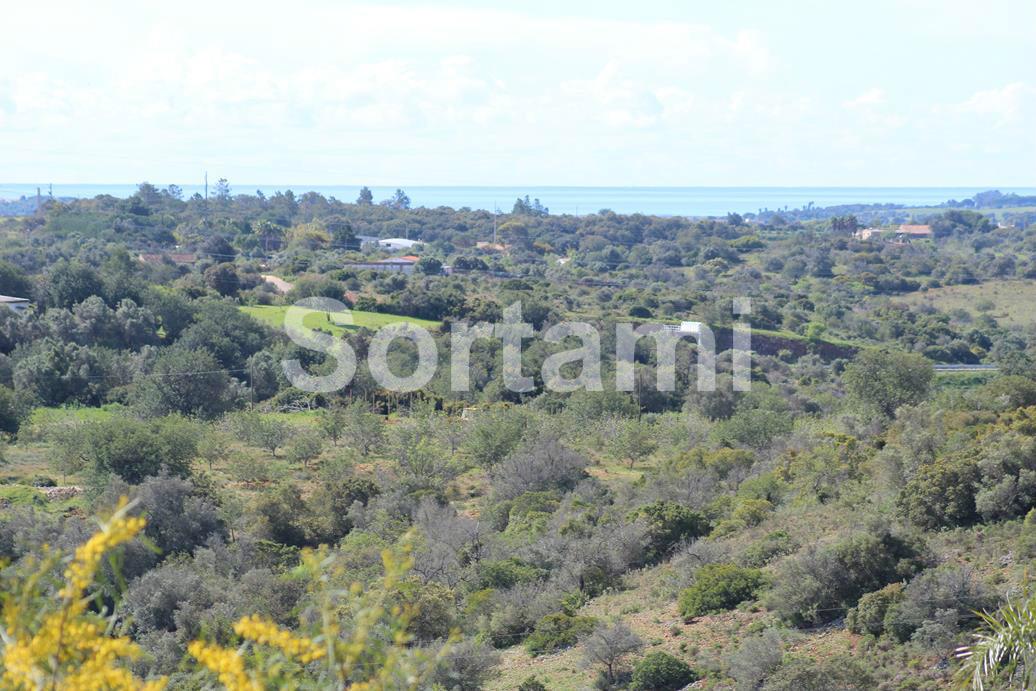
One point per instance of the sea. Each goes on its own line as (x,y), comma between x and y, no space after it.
(663,201)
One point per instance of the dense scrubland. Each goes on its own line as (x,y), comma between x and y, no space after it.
(849,522)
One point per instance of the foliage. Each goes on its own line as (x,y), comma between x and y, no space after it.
(888,380)
(836,672)
(608,645)
(57,640)
(868,616)
(669,523)
(818,584)
(558,631)
(659,671)
(1003,652)
(719,587)
(132,449)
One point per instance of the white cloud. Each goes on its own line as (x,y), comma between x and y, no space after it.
(1005,104)
(453,95)
(871,97)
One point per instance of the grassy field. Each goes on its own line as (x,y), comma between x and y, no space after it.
(1009,302)
(274,316)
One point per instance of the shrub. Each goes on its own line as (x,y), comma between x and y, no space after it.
(934,591)
(811,587)
(506,573)
(668,523)
(868,616)
(771,546)
(804,674)
(941,494)
(133,449)
(757,658)
(466,666)
(558,631)
(660,671)
(532,684)
(719,587)
(542,465)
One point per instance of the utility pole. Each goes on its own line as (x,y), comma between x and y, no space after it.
(496,215)
(206,185)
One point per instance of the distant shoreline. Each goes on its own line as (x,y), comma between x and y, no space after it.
(660,201)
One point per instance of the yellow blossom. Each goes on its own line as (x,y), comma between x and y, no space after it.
(255,628)
(227,664)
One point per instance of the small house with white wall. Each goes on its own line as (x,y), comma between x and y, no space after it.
(15,304)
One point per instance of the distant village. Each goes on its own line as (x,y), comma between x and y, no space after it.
(900,235)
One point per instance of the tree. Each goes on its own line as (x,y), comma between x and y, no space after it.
(366,197)
(399,201)
(886,380)
(495,433)
(222,193)
(362,430)
(70,282)
(331,422)
(608,645)
(429,266)
(13,281)
(634,442)
(304,446)
(223,278)
(183,381)
(261,430)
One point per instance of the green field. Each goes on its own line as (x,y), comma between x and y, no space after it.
(274,316)
(1009,302)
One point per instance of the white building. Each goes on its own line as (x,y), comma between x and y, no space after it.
(398,243)
(16,305)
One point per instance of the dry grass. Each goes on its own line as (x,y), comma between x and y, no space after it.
(1011,301)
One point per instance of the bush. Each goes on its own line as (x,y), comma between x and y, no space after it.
(927,598)
(941,494)
(719,587)
(668,523)
(133,449)
(660,671)
(558,631)
(532,684)
(506,573)
(757,658)
(542,465)
(812,587)
(771,546)
(868,616)
(466,666)
(804,674)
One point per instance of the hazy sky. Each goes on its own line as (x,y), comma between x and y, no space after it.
(915,92)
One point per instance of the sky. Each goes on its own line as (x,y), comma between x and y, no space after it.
(648,93)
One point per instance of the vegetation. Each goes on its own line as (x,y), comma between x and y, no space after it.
(852,519)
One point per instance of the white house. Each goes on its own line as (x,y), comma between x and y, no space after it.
(16,305)
(395,244)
